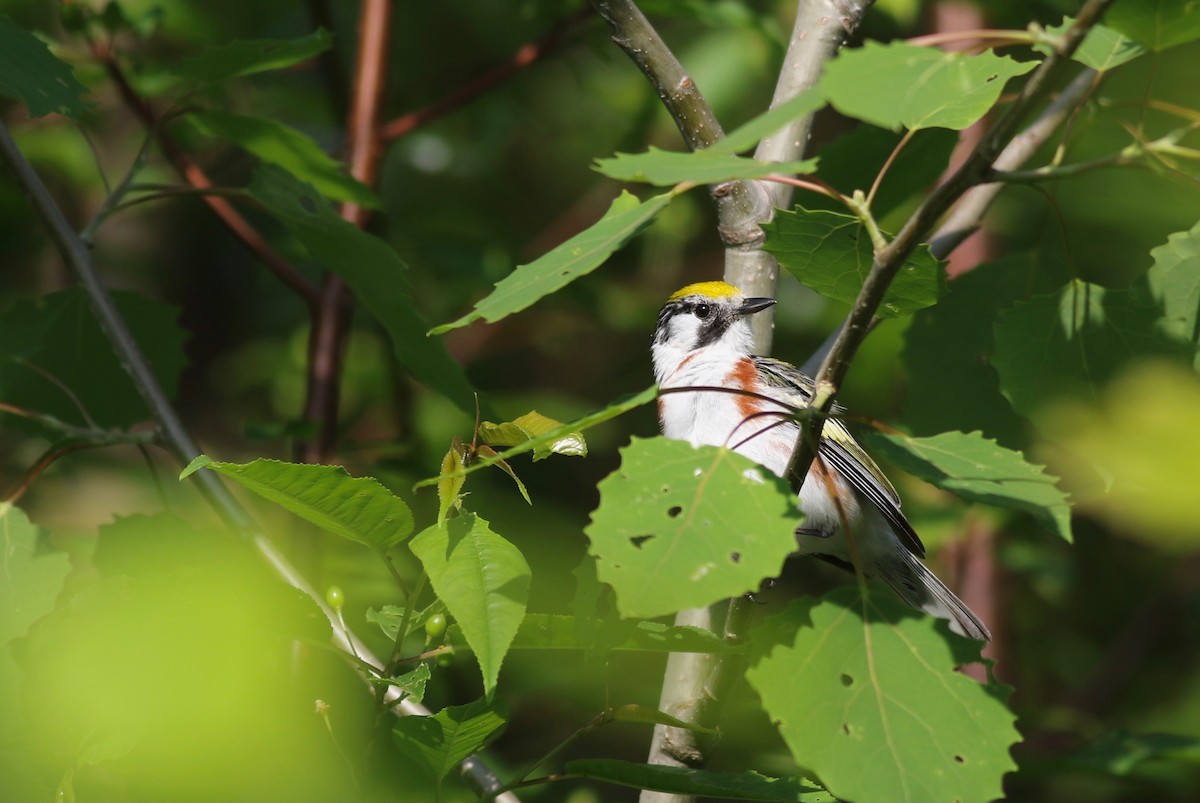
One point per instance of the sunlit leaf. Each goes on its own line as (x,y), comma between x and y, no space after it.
(1129,459)
(976,468)
(483,581)
(413,683)
(576,257)
(688,781)
(450,480)
(1173,282)
(249,56)
(439,743)
(1102,49)
(681,527)
(29,582)
(867,682)
(279,144)
(31,73)
(372,269)
(748,134)
(832,253)
(534,425)
(666,168)
(356,508)
(1157,24)
(901,85)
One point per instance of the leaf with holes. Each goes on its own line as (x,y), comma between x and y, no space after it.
(867,681)
(356,508)
(832,254)
(680,526)
(900,85)
(483,581)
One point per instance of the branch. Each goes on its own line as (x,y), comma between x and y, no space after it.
(326,344)
(975,170)
(195,176)
(178,440)
(527,55)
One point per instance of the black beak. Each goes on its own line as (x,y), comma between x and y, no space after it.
(753,305)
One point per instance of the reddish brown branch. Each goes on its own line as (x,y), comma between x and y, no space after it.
(196,177)
(528,54)
(327,341)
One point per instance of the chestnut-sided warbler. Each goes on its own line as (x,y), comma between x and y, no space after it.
(703,340)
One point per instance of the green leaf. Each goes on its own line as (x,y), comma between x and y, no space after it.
(666,168)
(832,254)
(1157,24)
(976,468)
(31,73)
(870,683)
(412,683)
(483,581)
(748,134)
(900,85)
(249,56)
(534,425)
(356,508)
(646,715)
(279,144)
(544,631)
(372,269)
(1102,49)
(706,783)
(1128,459)
(1070,343)
(451,480)
(680,526)
(576,257)
(441,742)
(1173,281)
(950,381)
(29,582)
(59,335)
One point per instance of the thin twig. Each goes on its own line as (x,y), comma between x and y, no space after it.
(527,55)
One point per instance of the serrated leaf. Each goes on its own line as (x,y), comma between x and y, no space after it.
(279,144)
(356,508)
(441,742)
(680,526)
(576,257)
(832,254)
(898,85)
(1102,49)
(29,72)
(1128,459)
(249,56)
(413,683)
(1071,342)
(871,683)
(748,134)
(483,581)
(534,426)
(450,482)
(372,269)
(667,168)
(1173,281)
(59,335)
(1157,24)
(29,582)
(979,469)
(693,782)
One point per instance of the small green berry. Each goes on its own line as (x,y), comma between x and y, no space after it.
(334,598)
(444,660)
(435,627)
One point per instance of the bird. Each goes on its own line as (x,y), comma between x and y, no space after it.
(747,403)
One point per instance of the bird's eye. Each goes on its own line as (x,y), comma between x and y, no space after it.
(702,311)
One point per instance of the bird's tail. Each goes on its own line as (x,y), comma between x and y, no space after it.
(931,595)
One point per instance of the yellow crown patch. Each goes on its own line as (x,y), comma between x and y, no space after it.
(706,289)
